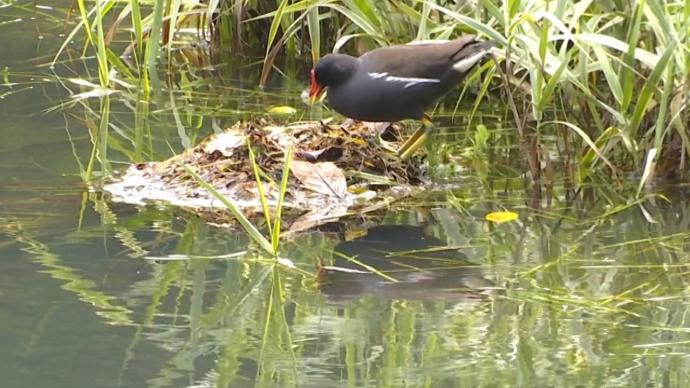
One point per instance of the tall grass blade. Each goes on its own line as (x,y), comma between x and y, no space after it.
(648,169)
(260,187)
(137,25)
(314,27)
(663,123)
(627,76)
(251,230)
(649,88)
(153,42)
(101,49)
(588,141)
(273,31)
(472,23)
(279,209)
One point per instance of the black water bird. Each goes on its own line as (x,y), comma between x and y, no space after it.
(398,82)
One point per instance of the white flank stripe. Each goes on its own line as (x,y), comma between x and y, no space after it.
(377,75)
(467,63)
(409,81)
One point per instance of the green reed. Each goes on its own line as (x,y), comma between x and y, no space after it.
(270,244)
(616,75)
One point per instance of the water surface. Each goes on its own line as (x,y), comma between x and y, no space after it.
(97,294)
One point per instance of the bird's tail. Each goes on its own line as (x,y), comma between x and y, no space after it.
(471,53)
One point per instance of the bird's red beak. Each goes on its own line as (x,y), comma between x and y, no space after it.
(315,89)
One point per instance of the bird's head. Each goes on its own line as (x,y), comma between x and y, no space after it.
(331,71)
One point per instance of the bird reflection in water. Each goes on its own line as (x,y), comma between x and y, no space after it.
(441,275)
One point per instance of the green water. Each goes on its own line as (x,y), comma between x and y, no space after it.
(583,292)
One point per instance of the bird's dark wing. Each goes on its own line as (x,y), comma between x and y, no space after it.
(428,60)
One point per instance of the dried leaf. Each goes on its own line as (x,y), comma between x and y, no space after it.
(500,217)
(325,178)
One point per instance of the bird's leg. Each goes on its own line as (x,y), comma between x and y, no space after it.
(417,139)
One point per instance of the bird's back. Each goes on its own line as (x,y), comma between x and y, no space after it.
(401,82)
(423,60)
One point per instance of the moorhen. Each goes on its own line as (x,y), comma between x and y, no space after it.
(398,82)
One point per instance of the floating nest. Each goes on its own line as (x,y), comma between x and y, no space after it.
(335,172)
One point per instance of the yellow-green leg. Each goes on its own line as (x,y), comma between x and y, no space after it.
(417,139)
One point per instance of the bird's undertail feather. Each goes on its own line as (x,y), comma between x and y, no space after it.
(467,62)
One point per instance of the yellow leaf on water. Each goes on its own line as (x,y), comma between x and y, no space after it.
(283,110)
(499,217)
